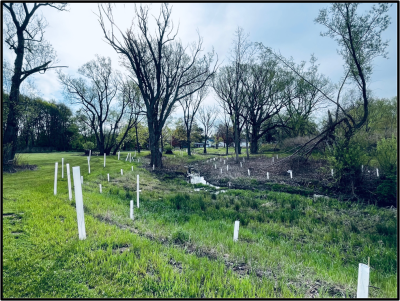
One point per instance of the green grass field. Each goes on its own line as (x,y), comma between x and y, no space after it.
(180,244)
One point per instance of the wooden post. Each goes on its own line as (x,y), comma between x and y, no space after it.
(236,231)
(363,281)
(69,183)
(79,202)
(62,168)
(55,179)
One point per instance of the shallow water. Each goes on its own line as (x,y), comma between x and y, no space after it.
(197,179)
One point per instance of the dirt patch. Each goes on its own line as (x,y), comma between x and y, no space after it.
(11,168)
(176,264)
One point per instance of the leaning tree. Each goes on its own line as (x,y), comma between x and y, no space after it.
(24,33)
(161,66)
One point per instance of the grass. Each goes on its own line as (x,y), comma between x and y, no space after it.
(181,241)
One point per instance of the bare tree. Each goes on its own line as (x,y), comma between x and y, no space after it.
(207,117)
(190,105)
(162,67)
(97,92)
(24,34)
(359,38)
(228,84)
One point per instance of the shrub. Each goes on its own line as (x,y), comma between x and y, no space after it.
(386,154)
(387,190)
(88,145)
(168,150)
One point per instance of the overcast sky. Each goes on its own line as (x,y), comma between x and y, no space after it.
(286,27)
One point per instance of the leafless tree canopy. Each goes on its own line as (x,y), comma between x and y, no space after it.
(164,70)
(207,117)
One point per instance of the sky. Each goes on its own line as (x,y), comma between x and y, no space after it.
(288,28)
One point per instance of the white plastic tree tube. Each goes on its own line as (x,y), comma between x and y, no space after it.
(224,161)
(131,210)
(55,178)
(363,281)
(291,175)
(108,177)
(221,170)
(88,162)
(79,202)
(272,159)
(241,164)
(137,190)
(153,166)
(118,155)
(104,160)
(377,172)
(248,171)
(236,231)
(227,167)
(267,175)
(100,188)
(69,183)
(90,153)
(215,165)
(122,172)
(62,168)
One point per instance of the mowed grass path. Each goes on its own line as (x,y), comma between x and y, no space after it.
(287,242)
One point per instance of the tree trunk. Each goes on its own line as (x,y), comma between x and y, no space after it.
(254,141)
(237,138)
(247,142)
(205,141)
(226,140)
(189,151)
(154,138)
(137,140)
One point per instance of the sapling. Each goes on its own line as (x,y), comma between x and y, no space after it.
(55,179)
(363,281)
(69,183)
(236,231)
(79,202)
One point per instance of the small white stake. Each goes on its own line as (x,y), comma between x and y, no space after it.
(104,160)
(88,162)
(272,159)
(277,157)
(122,172)
(224,161)
(108,177)
(248,171)
(69,183)
(363,281)
(118,155)
(55,179)
(221,170)
(90,153)
(236,231)
(227,167)
(62,168)
(81,178)
(132,168)
(131,210)
(241,164)
(137,191)
(215,166)
(289,171)
(377,172)
(79,202)
(267,175)
(153,166)
(100,188)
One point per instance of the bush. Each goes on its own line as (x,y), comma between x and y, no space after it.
(168,150)
(386,191)
(87,146)
(180,236)
(386,154)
